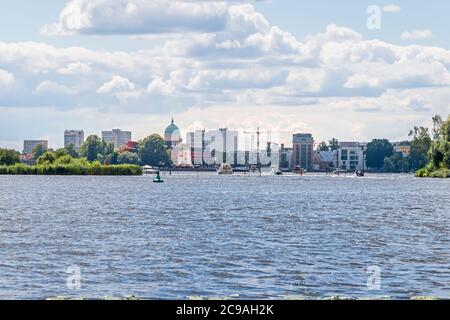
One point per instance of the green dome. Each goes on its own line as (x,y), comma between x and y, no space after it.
(172,133)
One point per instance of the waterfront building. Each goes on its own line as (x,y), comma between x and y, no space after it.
(351,156)
(213,147)
(29,145)
(303,150)
(117,137)
(73,137)
(325,160)
(172,135)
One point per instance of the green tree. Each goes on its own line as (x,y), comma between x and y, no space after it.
(71,151)
(111,159)
(396,163)
(66,159)
(93,148)
(377,151)
(420,146)
(153,151)
(323,146)
(38,151)
(9,157)
(128,158)
(333,144)
(47,158)
(437,126)
(440,148)
(61,152)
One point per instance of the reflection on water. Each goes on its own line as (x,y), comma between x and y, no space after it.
(224,236)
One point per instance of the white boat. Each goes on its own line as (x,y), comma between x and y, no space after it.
(277,172)
(149,170)
(225,168)
(359,173)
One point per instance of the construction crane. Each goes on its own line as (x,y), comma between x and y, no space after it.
(258,133)
(258,136)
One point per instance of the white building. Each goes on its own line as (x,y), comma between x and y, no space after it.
(351,156)
(29,145)
(181,155)
(213,147)
(117,137)
(74,137)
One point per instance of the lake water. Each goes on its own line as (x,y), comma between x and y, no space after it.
(224,236)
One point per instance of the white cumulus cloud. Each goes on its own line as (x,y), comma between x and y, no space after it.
(417,34)
(117,84)
(50,87)
(6,78)
(392,8)
(139,17)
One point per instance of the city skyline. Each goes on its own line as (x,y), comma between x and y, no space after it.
(236,64)
(120,136)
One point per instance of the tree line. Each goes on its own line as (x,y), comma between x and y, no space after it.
(95,157)
(150,151)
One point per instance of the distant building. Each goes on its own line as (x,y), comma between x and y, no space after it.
(130,146)
(286,158)
(27,159)
(74,137)
(29,145)
(213,147)
(172,135)
(117,137)
(303,150)
(403,148)
(325,160)
(181,155)
(351,156)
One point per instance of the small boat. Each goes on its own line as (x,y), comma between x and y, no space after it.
(158,178)
(298,170)
(225,168)
(149,170)
(277,172)
(359,173)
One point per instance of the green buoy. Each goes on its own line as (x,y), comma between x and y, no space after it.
(158,178)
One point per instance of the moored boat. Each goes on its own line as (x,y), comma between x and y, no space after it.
(149,170)
(225,168)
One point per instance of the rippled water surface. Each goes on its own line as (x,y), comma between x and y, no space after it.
(224,236)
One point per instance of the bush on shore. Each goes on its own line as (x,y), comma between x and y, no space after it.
(73,168)
(428,172)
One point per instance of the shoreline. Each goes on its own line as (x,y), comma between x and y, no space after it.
(71,170)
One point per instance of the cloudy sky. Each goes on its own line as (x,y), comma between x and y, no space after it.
(326,67)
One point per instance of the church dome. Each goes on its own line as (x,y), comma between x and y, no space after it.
(172,134)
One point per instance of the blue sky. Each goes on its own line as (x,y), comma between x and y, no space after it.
(300,65)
